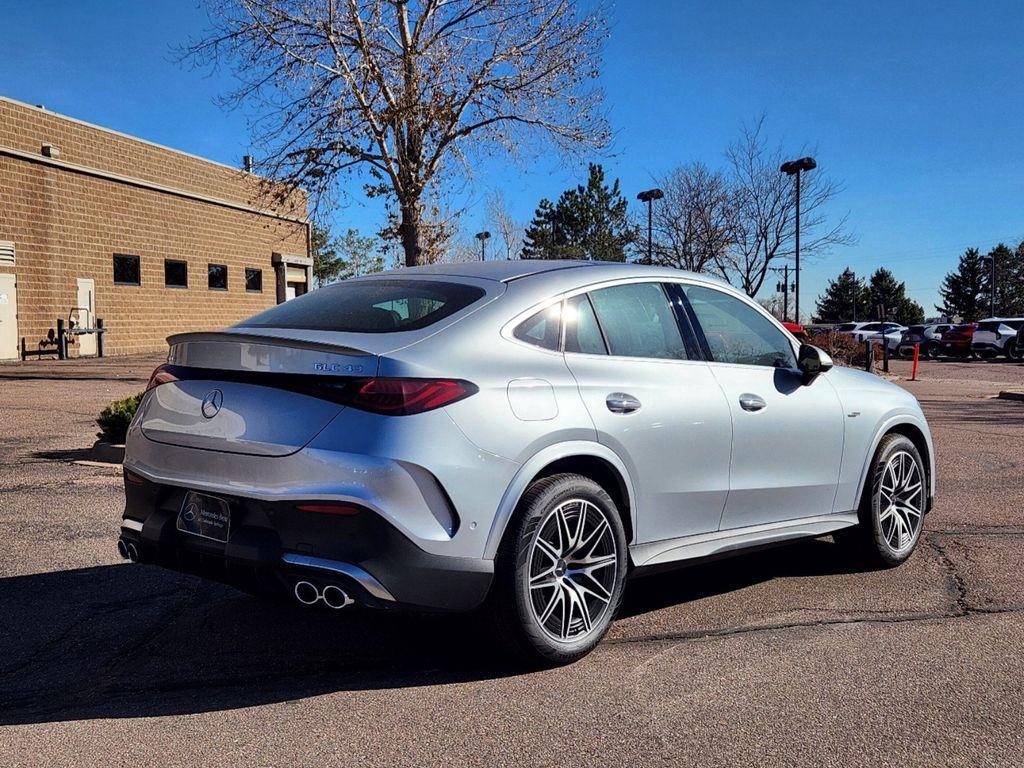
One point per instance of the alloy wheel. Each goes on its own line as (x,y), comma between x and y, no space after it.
(901,502)
(573,564)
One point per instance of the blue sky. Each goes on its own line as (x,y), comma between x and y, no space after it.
(916,107)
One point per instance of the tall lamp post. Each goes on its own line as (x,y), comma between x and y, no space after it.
(795,168)
(483,237)
(649,196)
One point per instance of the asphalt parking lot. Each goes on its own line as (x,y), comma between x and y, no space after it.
(794,656)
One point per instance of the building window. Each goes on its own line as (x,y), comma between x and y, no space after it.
(175,273)
(218,276)
(254,280)
(126,269)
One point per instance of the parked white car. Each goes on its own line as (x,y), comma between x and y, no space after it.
(997,336)
(873,331)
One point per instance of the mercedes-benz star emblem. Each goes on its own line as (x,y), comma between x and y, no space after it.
(191,512)
(212,402)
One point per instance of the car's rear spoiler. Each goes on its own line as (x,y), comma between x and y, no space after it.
(256,338)
(231,351)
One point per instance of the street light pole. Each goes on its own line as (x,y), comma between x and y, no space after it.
(797,167)
(992,287)
(649,196)
(482,237)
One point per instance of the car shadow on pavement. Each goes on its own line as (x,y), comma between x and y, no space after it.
(125,640)
(704,578)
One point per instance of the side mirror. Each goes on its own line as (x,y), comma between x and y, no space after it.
(812,362)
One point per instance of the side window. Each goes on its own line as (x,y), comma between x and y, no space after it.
(736,332)
(541,329)
(582,333)
(638,321)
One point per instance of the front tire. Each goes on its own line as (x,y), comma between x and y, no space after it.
(892,506)
(560,571)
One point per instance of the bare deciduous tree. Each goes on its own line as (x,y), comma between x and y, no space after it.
(510,232)
(407,90)
(765,208)
(694,222)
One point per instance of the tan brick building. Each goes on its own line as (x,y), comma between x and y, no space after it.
(96,224)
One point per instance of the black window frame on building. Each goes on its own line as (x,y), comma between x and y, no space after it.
(249,272)
(209,277)
(131,259)
(175,263)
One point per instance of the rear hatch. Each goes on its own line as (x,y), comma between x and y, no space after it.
(269,385)
(250,394)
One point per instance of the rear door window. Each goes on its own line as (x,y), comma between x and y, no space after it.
(638,321)
(371,306)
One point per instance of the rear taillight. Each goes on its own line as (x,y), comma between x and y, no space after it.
(162,375)
(390,396)
(404,397)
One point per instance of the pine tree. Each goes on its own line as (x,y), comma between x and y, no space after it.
(339,258)
(588,222)
(890,297)
(1009,288)
(961,291)
(846,298)
(539,239)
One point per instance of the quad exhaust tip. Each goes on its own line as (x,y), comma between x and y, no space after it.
(333,596)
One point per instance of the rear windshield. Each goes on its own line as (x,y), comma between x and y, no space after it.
(846,327)
(370,306)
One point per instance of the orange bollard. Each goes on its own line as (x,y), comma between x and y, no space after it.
(917,356)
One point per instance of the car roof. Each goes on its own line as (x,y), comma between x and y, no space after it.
(518,269)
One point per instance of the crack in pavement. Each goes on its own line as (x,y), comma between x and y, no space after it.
(699,634)
(957,588)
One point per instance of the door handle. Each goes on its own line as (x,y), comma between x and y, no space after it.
(749,402)
(620,402)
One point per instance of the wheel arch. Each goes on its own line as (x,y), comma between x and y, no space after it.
(593,460)
(919,435)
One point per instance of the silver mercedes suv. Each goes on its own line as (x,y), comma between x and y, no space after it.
(521,436)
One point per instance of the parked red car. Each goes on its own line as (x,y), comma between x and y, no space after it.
(956,342)
(797,330)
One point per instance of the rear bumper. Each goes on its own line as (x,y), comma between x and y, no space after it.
(272,545)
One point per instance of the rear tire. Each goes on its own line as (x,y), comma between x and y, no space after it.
(931,350)
(892,506)
(1010,350)
(560,571)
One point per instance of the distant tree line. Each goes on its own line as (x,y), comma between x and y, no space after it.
(735,223)
(970,293)
(849,298)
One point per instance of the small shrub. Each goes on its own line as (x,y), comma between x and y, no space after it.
(115,418)
(843,348)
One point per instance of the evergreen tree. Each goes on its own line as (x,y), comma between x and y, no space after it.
(588,222)
(890,297)
(1009,286)
(961,291)
(338,258)
(539,239)
(846,298)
